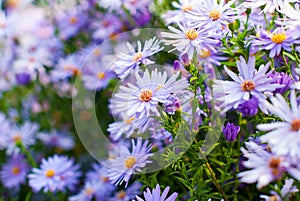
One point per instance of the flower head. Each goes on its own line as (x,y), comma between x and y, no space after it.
(249,107)
(56,173)
(155,195)
(14,172)
(127,163)
(250,83)
(133,58)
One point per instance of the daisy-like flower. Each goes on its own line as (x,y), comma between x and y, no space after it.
(269,6)
(178,15)
(57,173)
(275,41)
(151,89)
(57,139)
(14,172)
(186,40)
(127,163)
(131,59)
(97,77)
(284,136)
(292,15)
(128,194)
(157,196)
(265,166)
(211,14)
(285,193)
(249,83)
(16,134)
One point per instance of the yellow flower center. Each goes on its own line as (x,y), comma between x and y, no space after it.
(15,170)
(12,3)
(278,37)
(191,34)
(73,20)
(89,191)
(146,95)
(130,162)
(121,195)
(248,85)
(101,76)
(104,179)
(214,14)
(137,56)
(50,173)
(204,53)
(295,125)
(186,8)
(97,52)
(128,121)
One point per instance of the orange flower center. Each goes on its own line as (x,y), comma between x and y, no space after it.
(17,137)
(278,37)
(191,34)
(121,195)
(274,164)
(74,70)
(15,170)
(248,85)
(137,56)
(295,125)
(146,95)
(89,191)
(130,162)
(50,173)
(73,20)
(214,14)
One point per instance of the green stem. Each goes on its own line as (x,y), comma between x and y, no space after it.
(29,157)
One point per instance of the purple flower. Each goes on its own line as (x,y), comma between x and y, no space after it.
(57,139)
(57,173)
(174,105)
(249,83)
(14,172)
(283,79)
(249,107)
(131,59)
(128,194)
(275,41)
(230,131)
(127,163)
(156,196)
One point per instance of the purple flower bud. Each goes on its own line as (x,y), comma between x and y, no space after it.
(283,79)
(143,18)
(185,59)
(230,131)
(23,78)
(171,108)
(177,65)
(249,107)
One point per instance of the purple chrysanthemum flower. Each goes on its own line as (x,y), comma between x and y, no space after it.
(230,131)
(155,195)
(275,41)
(127,163)
(14,172)
(283,137)
(16,134)
(131,59)
(249,107)
(57,173)
(211,14)
(265,166)
(285,193)
(57,139)
(128,194)
(186,40)
(283,79)
(151,89)
(250,83)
